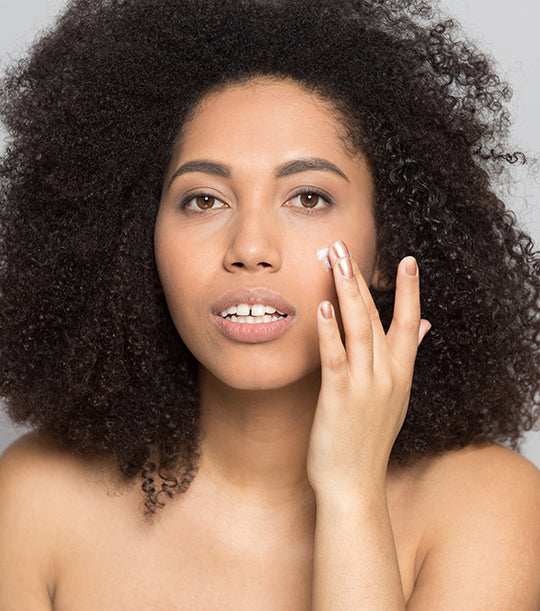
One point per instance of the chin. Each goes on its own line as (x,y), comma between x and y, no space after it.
(261,378)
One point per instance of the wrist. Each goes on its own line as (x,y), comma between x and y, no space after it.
(367,495)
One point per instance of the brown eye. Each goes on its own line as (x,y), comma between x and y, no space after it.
(197,203)
(205,202)
(309,200)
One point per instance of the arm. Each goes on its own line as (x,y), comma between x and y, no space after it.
(25,565)
(355,563)
(481,508)
(365,386)
(482,541)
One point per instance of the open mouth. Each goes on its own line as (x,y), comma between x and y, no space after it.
(252,315)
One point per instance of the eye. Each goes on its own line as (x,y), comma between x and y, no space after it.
(200,202)
(312,200)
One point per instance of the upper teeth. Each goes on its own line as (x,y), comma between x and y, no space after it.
(243,309)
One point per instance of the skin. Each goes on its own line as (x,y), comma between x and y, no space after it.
(294,505)
(255,232)
(259,236)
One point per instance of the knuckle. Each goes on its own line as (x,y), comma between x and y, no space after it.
(362,335)
(337,362)
(372,311)
(341,382)
(409,324)
(329,333)
(351,289)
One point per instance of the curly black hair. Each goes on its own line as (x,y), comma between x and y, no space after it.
(88,351)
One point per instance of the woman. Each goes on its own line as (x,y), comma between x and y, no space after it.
(175,176)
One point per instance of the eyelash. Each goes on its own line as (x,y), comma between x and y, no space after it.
(329,201)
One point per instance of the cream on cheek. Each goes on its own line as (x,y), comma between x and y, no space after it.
(322,255)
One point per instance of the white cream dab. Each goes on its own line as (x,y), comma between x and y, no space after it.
(322,255)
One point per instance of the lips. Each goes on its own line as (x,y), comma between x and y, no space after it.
(261,331)
(251,297)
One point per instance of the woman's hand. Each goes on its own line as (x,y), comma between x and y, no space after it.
(365,385)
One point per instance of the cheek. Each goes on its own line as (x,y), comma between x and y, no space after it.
(362,243)
(312,279)
(179,275)
(310,259)
(322,255)
(180,285)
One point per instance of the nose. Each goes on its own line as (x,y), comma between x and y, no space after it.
(254,244)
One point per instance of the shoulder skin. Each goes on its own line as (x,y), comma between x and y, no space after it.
(43,489)
(481,546)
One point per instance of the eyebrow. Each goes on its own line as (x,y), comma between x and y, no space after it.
(286,169)
(305,165)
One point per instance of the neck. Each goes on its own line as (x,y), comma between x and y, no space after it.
(254,443)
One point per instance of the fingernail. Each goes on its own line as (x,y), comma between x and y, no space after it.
(346,268)
(340,250)
(411,266)
(425,326)
(327,310)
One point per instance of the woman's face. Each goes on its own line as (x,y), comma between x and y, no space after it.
(260,181)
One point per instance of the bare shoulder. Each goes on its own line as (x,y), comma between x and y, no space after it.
(34,461)
(43,490)
(38,473)
(481,545)
(28,475)
(32,470)
(480,468)
(27,452)
(34,465)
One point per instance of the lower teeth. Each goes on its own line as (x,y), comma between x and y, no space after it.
(253,320)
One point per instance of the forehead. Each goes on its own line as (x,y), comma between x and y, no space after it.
(264,114)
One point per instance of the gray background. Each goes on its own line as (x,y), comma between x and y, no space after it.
(507,29)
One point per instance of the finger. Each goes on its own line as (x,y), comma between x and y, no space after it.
(403,334)
(357,325)
(334,367)
(380,348)
(425,326)
(373,312)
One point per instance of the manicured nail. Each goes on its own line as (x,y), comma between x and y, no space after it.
(346,268)
(327,310)
(340,250)
(425,326)
(411,266)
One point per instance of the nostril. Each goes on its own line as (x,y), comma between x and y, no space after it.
(263,263)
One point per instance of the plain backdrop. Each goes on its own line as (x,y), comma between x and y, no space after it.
(505,29)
